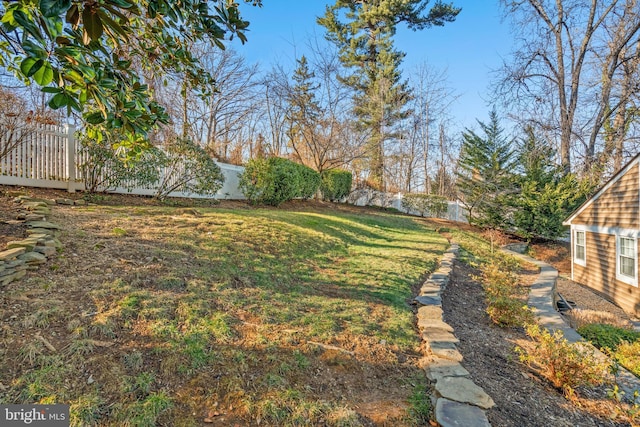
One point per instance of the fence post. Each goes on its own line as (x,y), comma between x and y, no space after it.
(71,157)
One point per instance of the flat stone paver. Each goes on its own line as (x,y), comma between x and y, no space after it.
(438,324)
(43,224)
(454,414)
(447,353)
(439,368)
(33,258)
(428,313)
(427,300)
(439,335)
(463,390)
(28,244)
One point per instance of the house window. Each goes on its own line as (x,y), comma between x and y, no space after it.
(627,260)
(579,252)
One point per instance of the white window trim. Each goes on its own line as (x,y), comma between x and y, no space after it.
(574,231)
(633,281)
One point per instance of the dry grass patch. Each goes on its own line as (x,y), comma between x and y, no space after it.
(579,317)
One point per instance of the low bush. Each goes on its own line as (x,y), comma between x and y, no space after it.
(566,365)
(628,355)
(188,169)
(103,169)
(503,303)
(509,312)
(607,336)
(336,184)
(275,180)
(425,204)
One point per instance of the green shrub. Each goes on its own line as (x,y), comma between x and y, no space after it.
(188,169)
(607,336)
(309,181)
(566,365)
(502,290)
(509,312)
(276,180)
(628,355)
(425,204)
(102,169)
(336,184)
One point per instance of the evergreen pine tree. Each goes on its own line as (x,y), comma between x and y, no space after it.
(485,175)
(365,41)
(547,196)
(304,111)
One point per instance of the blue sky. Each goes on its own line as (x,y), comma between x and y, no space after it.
(468,48)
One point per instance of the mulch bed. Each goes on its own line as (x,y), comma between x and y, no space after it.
(522,398)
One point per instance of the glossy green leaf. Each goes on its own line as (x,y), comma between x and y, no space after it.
(113,25)
(50,8)
(30,66)
(29,26)
(44,75)
(120,3)
(94,118)
(58,100)
(34,50)
(50,89)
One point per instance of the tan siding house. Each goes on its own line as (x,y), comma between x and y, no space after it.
(604,239)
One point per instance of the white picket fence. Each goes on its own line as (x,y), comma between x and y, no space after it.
(47,157)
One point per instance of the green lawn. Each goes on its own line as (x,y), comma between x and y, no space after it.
(169,315)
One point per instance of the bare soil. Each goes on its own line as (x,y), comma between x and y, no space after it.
(10,228)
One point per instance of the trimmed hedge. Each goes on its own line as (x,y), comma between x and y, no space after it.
(425,204)
(336,184)
(276,180)
(309,181)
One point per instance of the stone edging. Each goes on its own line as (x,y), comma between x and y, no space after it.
(27,254)
(541,299)
(458,400)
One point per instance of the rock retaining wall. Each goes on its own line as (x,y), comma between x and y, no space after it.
(458,400)
(41,243)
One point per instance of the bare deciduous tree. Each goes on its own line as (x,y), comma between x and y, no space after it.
(18,121)
(553,69)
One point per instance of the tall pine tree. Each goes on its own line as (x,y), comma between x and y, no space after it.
(485,174)
(304,112)
(365,40)
(547,196)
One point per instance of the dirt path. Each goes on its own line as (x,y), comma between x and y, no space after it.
(522,399)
